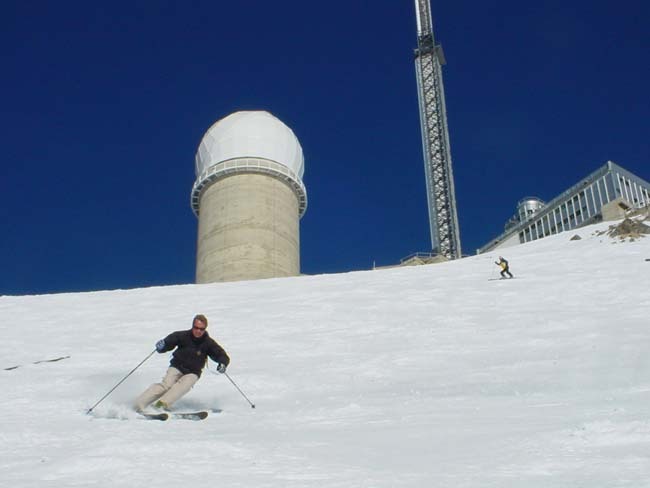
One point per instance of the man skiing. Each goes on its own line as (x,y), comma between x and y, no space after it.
(505,269)
(193,347)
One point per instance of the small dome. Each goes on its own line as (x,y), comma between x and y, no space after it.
(254,134)
(528,206)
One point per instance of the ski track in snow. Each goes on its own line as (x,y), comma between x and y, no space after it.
(411,377)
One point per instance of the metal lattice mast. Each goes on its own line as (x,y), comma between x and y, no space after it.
(441,196)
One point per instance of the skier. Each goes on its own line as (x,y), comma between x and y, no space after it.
(193,347)
(505,269)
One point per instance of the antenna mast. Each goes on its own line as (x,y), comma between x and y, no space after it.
(441,196)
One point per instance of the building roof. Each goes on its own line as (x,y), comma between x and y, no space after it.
(252,134)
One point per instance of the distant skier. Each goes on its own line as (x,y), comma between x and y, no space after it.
(193,347)
(505,268)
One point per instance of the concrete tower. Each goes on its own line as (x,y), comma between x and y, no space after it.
(249,198)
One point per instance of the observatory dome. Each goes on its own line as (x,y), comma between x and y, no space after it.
(254,134)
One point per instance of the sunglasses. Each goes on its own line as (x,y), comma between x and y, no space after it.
(198,328)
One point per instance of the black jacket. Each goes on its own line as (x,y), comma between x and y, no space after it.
(192,353)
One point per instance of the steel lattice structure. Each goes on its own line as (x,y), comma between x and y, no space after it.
(441,197)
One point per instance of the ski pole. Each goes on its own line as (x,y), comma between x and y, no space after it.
(239,389)
(494,272)
(121,381)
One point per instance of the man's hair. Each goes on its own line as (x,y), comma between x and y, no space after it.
(202,318)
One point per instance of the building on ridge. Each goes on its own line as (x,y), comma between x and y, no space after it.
(603,195)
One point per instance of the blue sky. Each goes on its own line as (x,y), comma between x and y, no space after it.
(104,105)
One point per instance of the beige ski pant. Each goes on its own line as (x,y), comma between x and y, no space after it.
(172,387)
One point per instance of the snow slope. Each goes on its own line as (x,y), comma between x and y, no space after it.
(412,377)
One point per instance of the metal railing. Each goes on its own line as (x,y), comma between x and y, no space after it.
(249,165)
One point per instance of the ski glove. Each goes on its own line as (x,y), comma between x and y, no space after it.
(160,345)
(221,368)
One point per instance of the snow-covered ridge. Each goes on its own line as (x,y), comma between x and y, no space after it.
(428,376)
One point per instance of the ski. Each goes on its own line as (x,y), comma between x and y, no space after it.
(155,416)
(190,415)
(175,415)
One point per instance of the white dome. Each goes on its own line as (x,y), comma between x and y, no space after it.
(254,134)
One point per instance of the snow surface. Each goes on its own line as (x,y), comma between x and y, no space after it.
(431,376)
